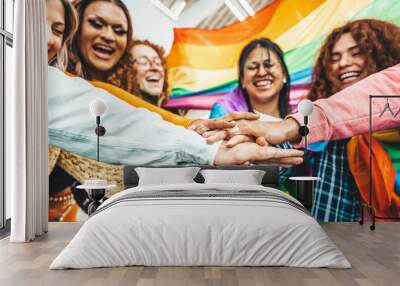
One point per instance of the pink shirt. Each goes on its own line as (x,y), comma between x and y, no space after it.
(345,114)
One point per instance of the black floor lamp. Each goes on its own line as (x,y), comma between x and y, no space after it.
(305,184)
(96,188)
(98,108)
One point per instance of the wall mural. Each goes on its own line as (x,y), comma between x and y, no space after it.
(288,51)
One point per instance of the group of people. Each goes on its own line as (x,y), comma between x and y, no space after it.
(96,43)
(350,53)
(90,41)
(93,41)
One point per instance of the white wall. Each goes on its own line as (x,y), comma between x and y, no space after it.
(152,24)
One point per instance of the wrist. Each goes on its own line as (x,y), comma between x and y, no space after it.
(291,129)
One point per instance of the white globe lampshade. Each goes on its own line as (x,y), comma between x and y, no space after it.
(98,107)
(305,107)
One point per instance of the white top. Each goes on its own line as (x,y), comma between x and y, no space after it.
(266,117)
(306,178)
(95,185)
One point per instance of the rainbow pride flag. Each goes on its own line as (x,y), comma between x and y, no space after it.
(202,64)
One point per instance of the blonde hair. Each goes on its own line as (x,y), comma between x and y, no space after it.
(71,26)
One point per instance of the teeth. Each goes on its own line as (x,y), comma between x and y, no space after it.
(104,49)
(348,75)
(153,78)
(263,83)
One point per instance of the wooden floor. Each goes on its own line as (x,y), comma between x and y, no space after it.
(375,257)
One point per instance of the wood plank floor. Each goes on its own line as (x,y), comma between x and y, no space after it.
(375,257)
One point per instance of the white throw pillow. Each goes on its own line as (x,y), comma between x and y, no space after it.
(166,176)
(248,177)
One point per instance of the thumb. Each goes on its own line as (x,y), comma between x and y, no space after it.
(261,141)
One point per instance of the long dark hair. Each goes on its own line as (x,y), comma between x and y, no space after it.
(77,65)
(283,104)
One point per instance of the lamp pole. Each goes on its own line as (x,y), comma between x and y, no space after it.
(100,131)
(98,138)
(305,108)
(98,108)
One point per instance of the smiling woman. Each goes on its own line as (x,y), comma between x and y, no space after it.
(349,54)
(352,52)
(150,68)
(348,62)
(62,23)
(264,83)
(55,28)
(100,48)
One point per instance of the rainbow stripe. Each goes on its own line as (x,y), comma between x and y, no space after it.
(202,64)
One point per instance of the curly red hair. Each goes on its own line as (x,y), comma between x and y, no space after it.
(378,40)
(161,54)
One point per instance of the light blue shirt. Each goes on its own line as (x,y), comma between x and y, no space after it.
(133,136)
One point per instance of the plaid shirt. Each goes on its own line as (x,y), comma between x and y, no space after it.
(336,197)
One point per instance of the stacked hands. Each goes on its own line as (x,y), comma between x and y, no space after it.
(248,140)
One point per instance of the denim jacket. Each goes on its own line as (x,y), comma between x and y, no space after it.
(133,135)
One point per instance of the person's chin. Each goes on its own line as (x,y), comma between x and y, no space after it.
(102,66)
(348,84)
(152,91)
(265,96)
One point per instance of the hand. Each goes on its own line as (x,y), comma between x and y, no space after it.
(253,129)
(247,153)
(218,135)
(270,133)
(236,116)
(202,126)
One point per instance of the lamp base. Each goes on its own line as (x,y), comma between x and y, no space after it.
(305,190)
(95,196)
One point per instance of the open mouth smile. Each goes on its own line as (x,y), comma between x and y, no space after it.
(103,51)
(153,78)
(264,83)
(349,76)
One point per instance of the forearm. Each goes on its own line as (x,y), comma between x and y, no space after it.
(346,113)
(133,151)
(133,136)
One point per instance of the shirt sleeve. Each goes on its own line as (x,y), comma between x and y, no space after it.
(133,135)
(217,110)
(346,113)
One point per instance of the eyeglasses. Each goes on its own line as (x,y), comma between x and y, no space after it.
(145,61)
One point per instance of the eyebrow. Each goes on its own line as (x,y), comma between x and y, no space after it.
(104,22)
(262,61)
